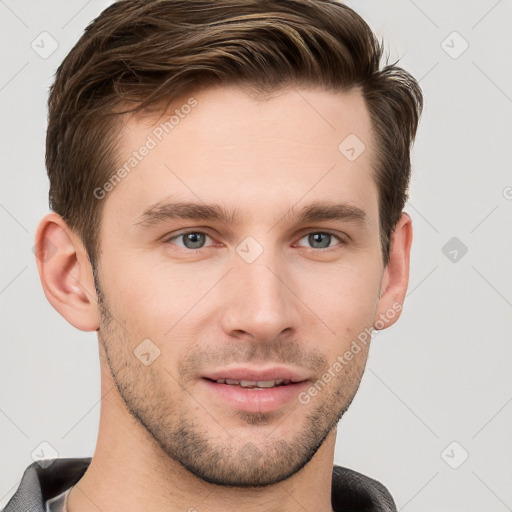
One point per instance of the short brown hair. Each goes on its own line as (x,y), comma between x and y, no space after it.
(144,53)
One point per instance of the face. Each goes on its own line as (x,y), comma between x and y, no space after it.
(240,259)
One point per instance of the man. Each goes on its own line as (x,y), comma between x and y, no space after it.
(227,182)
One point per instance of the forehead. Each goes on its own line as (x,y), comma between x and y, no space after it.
(221,145)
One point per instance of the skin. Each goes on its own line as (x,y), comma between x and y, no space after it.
(165,441)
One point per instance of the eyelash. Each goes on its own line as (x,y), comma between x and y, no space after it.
(183,233)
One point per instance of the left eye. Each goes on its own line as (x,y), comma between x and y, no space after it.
(197,239)
(320,239)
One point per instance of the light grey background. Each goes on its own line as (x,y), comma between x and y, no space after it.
(442,374)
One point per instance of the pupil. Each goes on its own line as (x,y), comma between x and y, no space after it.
(194,240)
(322,238)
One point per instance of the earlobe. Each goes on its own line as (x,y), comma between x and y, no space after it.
(396,275)
(66,273)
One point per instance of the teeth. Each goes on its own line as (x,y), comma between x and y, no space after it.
(267,383)
(253,383)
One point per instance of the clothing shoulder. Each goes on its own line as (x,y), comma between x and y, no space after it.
(43,480)
(353,491)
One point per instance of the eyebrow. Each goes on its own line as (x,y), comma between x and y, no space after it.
(315,212)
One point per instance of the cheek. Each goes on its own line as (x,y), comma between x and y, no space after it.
(345,297)
(155,300)
(133,292)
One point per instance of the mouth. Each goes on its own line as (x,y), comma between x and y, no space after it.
(255,391)
(253,384)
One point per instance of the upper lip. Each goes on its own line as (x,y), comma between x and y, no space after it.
(255,374)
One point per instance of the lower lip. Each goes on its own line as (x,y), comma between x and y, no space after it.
(256,400)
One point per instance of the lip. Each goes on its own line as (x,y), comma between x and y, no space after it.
(255,400)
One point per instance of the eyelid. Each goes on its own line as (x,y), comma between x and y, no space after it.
(342,238)
(168,239)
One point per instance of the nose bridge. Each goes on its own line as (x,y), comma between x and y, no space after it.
(260,303)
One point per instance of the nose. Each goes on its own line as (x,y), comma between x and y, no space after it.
(260,303)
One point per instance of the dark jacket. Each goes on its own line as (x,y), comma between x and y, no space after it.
(351,491)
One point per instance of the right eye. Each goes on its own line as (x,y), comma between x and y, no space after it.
(191,240)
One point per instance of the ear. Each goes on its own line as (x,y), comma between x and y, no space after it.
(396,275)
(66,272)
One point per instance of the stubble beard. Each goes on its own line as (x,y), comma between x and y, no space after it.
(218,459)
